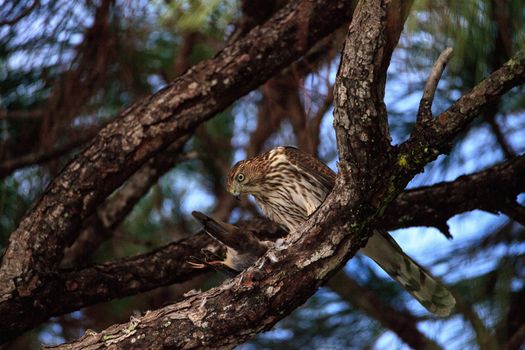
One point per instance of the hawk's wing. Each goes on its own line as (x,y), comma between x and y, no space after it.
(312,166)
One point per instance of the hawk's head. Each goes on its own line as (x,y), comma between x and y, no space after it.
(245,177)
(252,175)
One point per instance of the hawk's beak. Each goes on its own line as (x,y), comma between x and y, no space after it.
(235,191)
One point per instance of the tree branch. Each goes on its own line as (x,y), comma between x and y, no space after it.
(514,211)
(259,297)
(149,126)
(284,278)
(72,289)
(424,113)
(424,206)
(69,290)
(488,190)
(115,209)
(436,137)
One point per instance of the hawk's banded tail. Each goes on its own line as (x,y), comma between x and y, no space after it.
(431,293)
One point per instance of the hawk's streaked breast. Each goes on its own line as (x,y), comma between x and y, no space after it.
(289,194)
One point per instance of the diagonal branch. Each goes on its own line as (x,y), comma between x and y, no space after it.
(70,290)
(436,137)
(231,313)
(424,206)
(149,126)
(114,210)
(488,190)
(253,302)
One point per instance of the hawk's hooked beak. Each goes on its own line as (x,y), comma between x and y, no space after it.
(235,191)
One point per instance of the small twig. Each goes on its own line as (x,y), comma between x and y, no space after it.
(424,113)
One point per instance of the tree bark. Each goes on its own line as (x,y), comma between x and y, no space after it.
(69,290)
(150,125)
(372,174)
(253,302)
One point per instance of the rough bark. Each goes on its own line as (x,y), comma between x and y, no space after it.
(240,308)
(69,290)
(150,125)
(424,206)
(253,302)
(113,211)
(488,190)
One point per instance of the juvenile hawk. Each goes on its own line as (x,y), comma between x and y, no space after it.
(289,184)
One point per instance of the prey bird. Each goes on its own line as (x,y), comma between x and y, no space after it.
(289,185)
(243,247)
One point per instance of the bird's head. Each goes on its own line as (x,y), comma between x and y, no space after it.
(246,176)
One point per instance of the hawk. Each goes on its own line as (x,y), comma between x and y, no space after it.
(289,185)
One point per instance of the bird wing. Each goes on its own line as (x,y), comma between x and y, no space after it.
(230,235)
(312,166)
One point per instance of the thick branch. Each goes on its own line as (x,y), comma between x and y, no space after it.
(240,308)
(69,290)
(424,206)
(111,213)
(360,115)
(488,190)
(149,126)
(73,289)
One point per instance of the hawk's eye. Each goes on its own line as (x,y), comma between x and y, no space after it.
(240,177)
